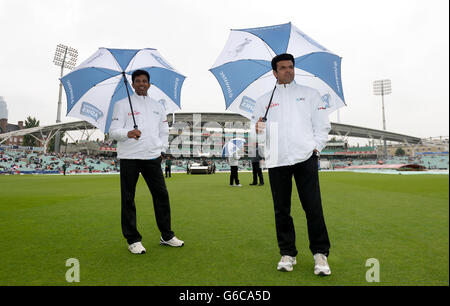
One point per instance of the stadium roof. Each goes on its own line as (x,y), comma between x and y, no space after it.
(336,128)
(339,129)
(362,132)
(44,130)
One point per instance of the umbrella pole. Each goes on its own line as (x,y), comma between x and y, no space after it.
(129,100)
(264,119)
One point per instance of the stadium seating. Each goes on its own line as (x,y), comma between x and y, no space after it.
(435,161)
(23,162)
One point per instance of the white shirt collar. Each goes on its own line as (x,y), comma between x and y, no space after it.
(286,85)
(140,98)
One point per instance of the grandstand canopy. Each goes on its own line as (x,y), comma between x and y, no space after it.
(221,118)
(46,129)
(336,128)
(362,132)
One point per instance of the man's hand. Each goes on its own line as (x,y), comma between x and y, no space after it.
(260,126)
(134,134)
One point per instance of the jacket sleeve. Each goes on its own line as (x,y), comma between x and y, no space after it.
(320,122)
(163,130)
(117,130)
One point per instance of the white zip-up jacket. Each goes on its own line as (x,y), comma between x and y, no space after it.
(151,120)
(297,123)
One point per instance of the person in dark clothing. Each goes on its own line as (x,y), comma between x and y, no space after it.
(168,166)
(257,171)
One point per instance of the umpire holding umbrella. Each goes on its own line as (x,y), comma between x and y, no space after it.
(142,136)
(293,125)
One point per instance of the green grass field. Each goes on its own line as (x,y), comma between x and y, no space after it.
(229,232)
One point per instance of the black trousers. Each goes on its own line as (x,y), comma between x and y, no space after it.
(153,176)
(234,175)
(307,181)
(168,171)
(257,172)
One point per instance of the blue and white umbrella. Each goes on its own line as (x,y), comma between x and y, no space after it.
(232,146)
(93,87)
(244,69)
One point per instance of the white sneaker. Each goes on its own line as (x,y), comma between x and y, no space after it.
(175,242)
(136,248)
(286,263)
(321,266)
(238,185)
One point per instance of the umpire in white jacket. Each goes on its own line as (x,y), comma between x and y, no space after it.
(233,161)
(295,131)
(139,151)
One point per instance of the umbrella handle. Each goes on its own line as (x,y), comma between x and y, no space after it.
(264,119)
(129,99)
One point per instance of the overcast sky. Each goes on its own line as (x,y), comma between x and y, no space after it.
(406,41)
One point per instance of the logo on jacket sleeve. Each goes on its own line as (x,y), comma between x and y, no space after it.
(90,110)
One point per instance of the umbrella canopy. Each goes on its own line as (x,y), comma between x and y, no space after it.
(93,87)
(244,69)
(232,146)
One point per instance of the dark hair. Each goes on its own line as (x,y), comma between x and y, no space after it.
(138,73)
(282,57)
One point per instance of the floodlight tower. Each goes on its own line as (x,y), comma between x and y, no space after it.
(381,88)
(65,57)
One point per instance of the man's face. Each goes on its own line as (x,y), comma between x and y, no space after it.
(141,85)
(285,72)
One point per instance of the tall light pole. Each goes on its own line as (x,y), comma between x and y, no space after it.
(65,57)
(381,88)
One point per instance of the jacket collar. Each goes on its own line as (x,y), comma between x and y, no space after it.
(290,85)
(140,98)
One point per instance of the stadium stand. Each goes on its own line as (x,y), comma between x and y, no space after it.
(434,162)
(28,163)
(15,162)
(333,157)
